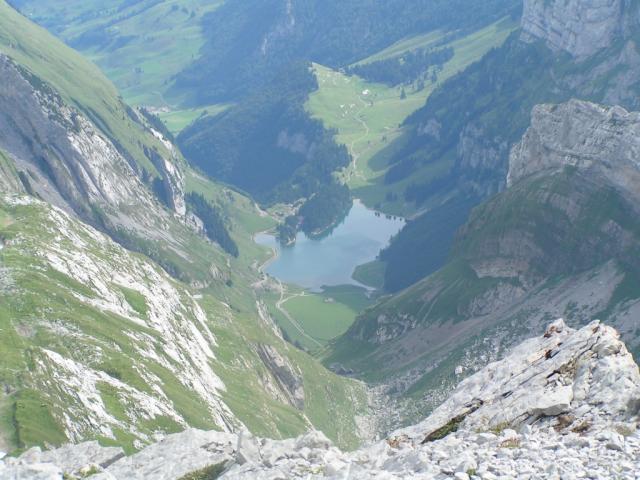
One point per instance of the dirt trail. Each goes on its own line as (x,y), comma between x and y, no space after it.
(280,306)
(355,155)
(283,296)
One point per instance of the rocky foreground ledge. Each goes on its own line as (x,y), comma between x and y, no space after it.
(565,405)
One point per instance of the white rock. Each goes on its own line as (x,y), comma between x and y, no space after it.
(177,455)
(466,465)
(554,402)
(313,439)
(485,437)
(248,449)
(36,471)
(509,434)
(335,467)
(526,430)
(560,372)
(612,440)
(579,27)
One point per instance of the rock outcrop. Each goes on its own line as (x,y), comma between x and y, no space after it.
(166,328)
(9,178)
(73,161)
(587,375)
(70,162)
(289,381)
(579,27)
(564,405)
(569,216)
(601,140)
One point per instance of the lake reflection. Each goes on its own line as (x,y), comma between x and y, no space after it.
(331,260)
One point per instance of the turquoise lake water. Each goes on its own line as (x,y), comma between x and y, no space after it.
(331,260)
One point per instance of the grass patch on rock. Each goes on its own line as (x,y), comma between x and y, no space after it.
(208,473)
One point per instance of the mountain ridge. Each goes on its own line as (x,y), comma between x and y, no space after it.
(546,246)
(471,122)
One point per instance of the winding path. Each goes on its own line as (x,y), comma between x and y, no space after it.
(283,296)
(356,156)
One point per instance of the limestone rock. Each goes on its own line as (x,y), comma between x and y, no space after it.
(288,379)
(605,141)
(75,164)
(579,27)
(39,471)
(176,456)
(589,370)
(76,459)
(248,449)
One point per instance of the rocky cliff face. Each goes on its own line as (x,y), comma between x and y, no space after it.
(563,405)
(166,341)
(565,49)
(9,177)
(579,27)
(71,163)
(68,155)
(602,141)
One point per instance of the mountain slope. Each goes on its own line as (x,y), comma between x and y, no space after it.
(143,45)
(267,145)
(562,240)
(252,41)
(120,318)
(563,404)
(47,79)
(470,123)
(102,343)
(81,148)
(80,83)
(260,56)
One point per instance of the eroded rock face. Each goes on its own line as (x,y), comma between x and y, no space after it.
(579,27)
(289,381)
(604,141)
(564,405)
(71,163)
(169,331)
(65,149)
(588,374)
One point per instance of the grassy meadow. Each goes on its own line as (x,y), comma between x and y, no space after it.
(140,64)
(368,116)
(178,120)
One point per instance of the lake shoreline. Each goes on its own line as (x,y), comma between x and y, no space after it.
(315,263)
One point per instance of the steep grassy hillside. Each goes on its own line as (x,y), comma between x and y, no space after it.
(94,156)
(463,135)
(177,120)
(266,144)
(101,343)
(248,43)
(139,45)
